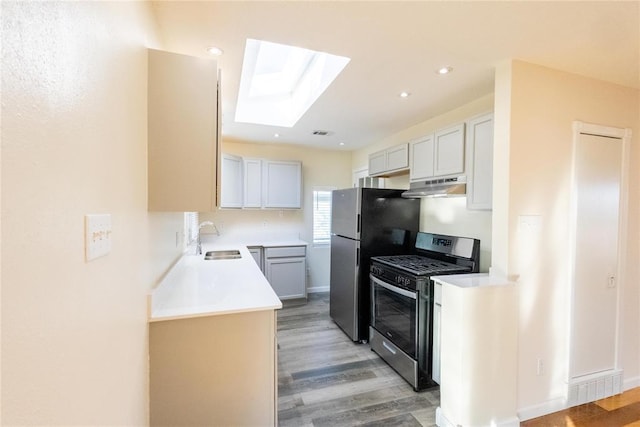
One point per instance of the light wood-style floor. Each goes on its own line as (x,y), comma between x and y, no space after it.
(622,410)
(324,379)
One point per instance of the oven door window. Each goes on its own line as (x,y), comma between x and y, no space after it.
(394,314)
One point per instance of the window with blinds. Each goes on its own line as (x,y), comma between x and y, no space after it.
(190,227)
(321,216)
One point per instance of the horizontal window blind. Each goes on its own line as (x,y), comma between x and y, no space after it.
(191,220)
(321,217)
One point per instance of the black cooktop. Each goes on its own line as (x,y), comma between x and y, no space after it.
(420,265)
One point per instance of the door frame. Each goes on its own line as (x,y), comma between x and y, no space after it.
(624,135)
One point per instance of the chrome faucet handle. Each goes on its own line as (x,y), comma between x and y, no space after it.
(204,224)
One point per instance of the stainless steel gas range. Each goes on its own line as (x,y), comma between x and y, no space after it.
(401,329)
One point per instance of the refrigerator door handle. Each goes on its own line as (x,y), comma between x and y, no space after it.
(358,257)
(358,224)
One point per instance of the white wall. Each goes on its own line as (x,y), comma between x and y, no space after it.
(320,168)
(442,215)
(74,131)
(535,109)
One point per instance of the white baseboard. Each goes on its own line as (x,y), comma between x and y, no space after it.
(544,408)
(560,403)
(317,289)
(443,421)
(630,383)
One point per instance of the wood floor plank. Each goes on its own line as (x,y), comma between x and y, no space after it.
(325,378)
(620,400)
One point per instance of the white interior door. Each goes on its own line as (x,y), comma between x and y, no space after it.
(597,192)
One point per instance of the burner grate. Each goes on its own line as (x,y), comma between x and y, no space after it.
(420,265)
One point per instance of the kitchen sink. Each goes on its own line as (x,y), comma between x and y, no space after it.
(229,254)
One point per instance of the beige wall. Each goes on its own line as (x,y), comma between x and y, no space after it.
(74,333)
(437,215)
(536,107)
(320,168)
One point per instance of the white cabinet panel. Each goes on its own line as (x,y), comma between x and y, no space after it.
(391,161)
(287,277)
(437,155)
(398,158)
(449,151)
(421,158)
(286,271)
(252,183)
(231,182)
(182,132)
(378,163)
(281,184)
(214,362)
(256,253)
(480,162)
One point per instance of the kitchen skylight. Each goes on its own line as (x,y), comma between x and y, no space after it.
(279,83)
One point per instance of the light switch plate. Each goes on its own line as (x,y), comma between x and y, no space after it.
(97,235)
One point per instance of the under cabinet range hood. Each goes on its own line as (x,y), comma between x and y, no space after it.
(442,187)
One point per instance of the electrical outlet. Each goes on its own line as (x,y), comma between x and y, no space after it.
(539,367)
(97,235)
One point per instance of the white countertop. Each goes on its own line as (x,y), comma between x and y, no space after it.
(195,287)
(472,280)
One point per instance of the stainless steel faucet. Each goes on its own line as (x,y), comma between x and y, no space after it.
(198,241)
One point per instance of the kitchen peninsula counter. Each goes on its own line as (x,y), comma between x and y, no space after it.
(479,345)
(212,340)
(196,287)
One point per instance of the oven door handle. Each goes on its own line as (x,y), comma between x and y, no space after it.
(394,289)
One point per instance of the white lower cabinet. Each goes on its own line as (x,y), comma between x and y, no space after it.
(256,253)
(286,270)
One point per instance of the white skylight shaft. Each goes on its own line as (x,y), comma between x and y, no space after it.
(279,83)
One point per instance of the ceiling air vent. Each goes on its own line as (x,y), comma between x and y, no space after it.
(321,132)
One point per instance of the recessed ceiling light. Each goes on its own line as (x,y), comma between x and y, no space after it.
(404,94)
(277,135)
(342,143)
(445,70)
(213,50)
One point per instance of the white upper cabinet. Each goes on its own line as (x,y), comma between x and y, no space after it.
(182,102)
(281,184)
(232,181)
(377,163)
(439,154)
(252,183)
(449,151)
(480,162)
(390,161)
(260,183)
(421,157)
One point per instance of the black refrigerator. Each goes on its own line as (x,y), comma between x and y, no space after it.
(365,222)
